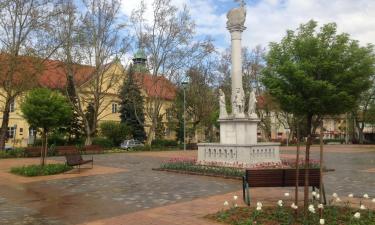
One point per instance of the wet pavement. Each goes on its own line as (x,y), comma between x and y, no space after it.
(82,199)
(97,197)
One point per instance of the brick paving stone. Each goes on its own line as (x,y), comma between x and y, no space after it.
(137,195)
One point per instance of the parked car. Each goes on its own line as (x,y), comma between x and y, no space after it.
(129,144)
(8,148)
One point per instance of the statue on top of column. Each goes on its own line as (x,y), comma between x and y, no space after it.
(237,16)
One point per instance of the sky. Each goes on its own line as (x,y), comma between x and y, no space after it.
(268,20)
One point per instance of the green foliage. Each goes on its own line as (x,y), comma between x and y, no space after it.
(15,153)
(46,109)
(132,114)
(74,128)
(178,111)
(191,166)
(316,73)
(116,132)
(333,215)
(161,143)
(38,170)
(103,142)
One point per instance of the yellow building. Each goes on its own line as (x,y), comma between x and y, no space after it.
(54,77)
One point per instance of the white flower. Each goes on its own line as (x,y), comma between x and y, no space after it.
(314,193)
(311,208)
(338,199)
(320,206)
(259,208)
(335,195)
(366,196)
(235,205)
(357,215)
(226,203)
(317,196)
(280,203)
(235,197)
(362,207)
(294,206)
(321,221)
(259,204)
(286,194)
(373,200)
(350,195)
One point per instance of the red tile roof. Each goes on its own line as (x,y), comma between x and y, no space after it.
(52,74)
(157,86)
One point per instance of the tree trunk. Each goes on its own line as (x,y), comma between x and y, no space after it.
(321,168)
(360,127)
(88,132)
(5,123)
(88,140)
(307,164)
(44,149)
(297,170)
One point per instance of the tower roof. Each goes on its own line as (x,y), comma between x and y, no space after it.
(140,54)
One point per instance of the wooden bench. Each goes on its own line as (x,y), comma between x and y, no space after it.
(77,160)
(33,151)
(279,178)
(92,149)
(66,150)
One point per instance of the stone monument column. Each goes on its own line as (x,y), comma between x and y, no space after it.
(235,25)
(238,131)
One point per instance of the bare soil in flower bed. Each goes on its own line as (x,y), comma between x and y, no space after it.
(333,215)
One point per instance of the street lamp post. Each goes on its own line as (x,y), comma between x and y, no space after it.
(184,114)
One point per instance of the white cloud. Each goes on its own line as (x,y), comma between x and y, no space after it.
(268,20)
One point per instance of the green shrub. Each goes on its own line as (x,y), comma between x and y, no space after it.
(103,142)
(38,170)
(116,132)
(15,153)
(161,143)
(189,165)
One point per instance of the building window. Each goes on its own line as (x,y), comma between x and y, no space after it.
(12,106)
(11,132)
(114,108)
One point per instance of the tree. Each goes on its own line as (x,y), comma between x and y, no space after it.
(47,110)
(169,41)
(24,46)
(315,73)
(116,132)
(91,38)
(201,100)
(132,114)
(362,114)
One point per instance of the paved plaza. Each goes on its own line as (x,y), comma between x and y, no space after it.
(123,189)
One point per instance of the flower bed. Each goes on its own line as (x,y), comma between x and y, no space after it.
(284,211)
(191,166)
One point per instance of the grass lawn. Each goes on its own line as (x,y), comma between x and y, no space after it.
(37,170)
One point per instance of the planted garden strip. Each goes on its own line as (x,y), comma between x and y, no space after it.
(197,173)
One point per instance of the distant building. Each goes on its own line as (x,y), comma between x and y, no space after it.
(53,76)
